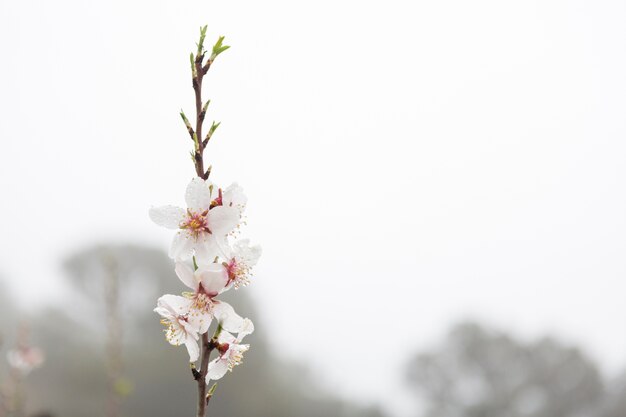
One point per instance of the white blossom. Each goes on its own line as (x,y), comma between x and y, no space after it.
(203,227)
(242,259)
(183,324)
(231,352)
(207,282)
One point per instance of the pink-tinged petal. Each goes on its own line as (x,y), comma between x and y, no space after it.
(222,220)
(226,316)
(182,246)
(186,275)
(217,368)
(167,216)
(213,277)
(192,349)
(198,195)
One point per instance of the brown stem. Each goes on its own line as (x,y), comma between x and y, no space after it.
(198,75)
(207,347)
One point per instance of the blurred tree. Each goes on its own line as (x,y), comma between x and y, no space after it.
(114,280)
(483,373)
(614,404)
(74,381)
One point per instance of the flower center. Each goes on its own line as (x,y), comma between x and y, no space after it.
(238,273)
(174,333)
(196,223)
(235,358)
(202,302)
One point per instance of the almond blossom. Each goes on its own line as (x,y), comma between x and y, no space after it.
(183,324)
(231,352)
(203,227)
(241,260)
(207,282)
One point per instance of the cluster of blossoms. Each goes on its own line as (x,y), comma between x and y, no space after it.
(209,262)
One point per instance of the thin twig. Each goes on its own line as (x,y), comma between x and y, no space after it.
(207,347)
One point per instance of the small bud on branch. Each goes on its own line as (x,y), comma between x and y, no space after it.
(201,41)
(187,124)
(193,65)
(196,374)
(210,393)
(212,129)
(204,108)
(218,48)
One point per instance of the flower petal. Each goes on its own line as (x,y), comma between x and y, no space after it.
(206,249)
(200,321)
(246,328)
(225,337)
(213,277)
(217,368)
(247,254)
(198,195)
(222,220)
(226,316)
(233,196)
(167,216)
(182,246)
(222,247)
(192,349)
(186,275)
(190,328)
(165,313)
(175,304)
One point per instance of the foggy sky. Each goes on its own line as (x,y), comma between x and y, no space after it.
(407,163)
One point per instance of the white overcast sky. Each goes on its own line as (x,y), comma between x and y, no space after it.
(408,163)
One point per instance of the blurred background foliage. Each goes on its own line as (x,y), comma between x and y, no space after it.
(474,372)
(155,379)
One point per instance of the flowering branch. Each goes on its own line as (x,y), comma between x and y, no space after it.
(203,237)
